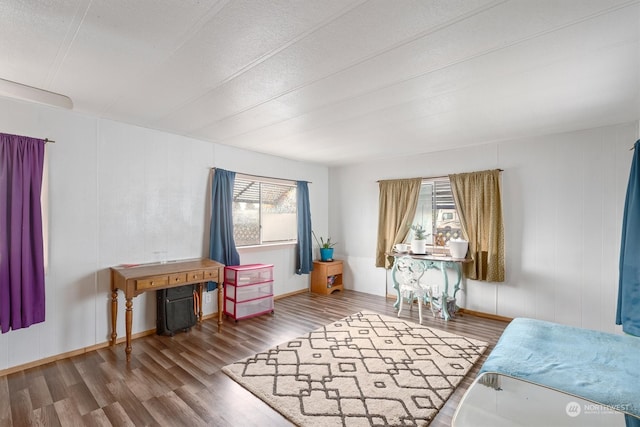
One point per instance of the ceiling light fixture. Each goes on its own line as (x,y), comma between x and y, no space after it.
(29,93)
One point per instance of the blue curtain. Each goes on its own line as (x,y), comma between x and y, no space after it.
(222,247)
(304,254)
(628,314)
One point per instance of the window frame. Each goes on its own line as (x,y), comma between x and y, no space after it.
(260,181)
(441,199)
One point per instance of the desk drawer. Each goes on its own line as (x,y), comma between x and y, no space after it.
(175,279)
(332,270)
(195,276)
(211,275)
(152,282)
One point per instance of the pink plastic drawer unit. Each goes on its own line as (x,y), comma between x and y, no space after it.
(242,310)
(248,290)
(240,275)
(247,293)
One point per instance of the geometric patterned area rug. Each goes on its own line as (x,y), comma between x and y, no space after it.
(364,370)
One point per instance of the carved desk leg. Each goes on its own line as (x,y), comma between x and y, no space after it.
(458,267)
(201,294)
(114,316)
(220,305)
(396,285)
(128,321)
(445,293)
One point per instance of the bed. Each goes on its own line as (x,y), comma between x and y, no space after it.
(597,366)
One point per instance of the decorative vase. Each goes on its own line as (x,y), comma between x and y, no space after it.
(419,246)
(326,254)
(458,248)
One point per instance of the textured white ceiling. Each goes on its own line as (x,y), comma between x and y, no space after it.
(334,81)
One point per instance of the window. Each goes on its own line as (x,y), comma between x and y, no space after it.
(264,211)
(437,211)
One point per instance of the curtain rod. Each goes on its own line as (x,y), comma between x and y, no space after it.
(267,177)
(433,177)
(44,140)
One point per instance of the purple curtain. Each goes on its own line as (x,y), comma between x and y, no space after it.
(21,247)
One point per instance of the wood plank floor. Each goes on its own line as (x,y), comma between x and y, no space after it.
(176,381)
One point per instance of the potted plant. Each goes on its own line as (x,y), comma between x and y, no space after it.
(326,248)
(419,242)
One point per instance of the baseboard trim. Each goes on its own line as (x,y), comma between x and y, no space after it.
(485,315)
(301,291)
(472,312)
(120,340)
(61,356)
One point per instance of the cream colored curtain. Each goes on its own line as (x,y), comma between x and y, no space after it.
(478,201)
(397,207)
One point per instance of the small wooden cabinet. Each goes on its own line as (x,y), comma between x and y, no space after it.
(326,277)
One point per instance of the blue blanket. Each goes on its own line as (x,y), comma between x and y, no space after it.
(598,366)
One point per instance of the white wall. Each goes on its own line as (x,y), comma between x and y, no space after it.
(122,194)
(563,197)
(125,194)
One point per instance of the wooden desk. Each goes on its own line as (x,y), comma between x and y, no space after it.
(136,279)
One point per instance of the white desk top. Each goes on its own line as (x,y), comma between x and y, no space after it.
(428,257)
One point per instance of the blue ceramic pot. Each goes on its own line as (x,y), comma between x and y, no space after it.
(326,254)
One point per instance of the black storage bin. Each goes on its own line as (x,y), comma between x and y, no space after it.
(176,310)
